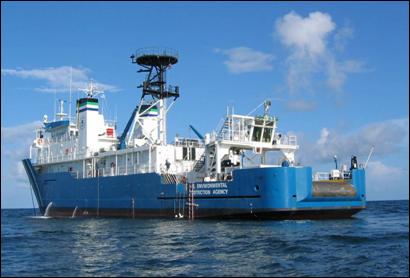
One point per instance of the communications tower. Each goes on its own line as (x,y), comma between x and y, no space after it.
(155,92)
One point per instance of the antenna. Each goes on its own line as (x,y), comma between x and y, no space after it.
(265,102)
(91,90)
(335,159)
(266,106)
(55,111)
(102,103)
(115,117)
(69,105)
(61,113)
(368,158)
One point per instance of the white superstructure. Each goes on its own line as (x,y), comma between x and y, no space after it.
(88,146)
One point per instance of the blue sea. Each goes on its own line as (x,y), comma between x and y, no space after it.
(373,243)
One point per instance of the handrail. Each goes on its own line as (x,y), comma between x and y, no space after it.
(157,51)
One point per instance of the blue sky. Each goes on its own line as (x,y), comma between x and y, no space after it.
(337,74)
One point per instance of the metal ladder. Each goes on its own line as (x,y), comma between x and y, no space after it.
(191,204)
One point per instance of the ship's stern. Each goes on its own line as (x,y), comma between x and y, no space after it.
(291,193)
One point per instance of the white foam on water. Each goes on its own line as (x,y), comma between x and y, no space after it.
(48,209)
(40,217)
(74,212)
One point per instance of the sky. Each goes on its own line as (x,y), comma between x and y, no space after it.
(337,74)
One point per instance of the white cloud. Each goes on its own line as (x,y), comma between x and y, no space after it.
(341,37)
(388,137)
(243,59)
(384,182)
(306,35)
(10,134)
(58,79)
(324,135)
(300,105)
(311,59)
(378,170)
(337,71)
(384,179)
(299,73)
(15,143)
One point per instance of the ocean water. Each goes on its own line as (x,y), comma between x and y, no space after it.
(373,243)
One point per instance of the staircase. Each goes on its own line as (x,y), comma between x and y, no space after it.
(226,129)
(211,167)
(169,179)
(199,164)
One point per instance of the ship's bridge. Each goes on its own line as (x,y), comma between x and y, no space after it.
(255,132)
(225,150)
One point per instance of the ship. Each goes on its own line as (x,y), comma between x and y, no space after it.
(80,167)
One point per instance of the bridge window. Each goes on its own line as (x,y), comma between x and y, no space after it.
(258,121)
(185,153)
(267,135)
(257,133)
(269,123)
(188,153)
(263,130)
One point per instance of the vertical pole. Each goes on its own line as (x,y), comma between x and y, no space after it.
(32,200)
(368,158)
(161,105)
(335,159)
(217,159)
(149,159)
(164,122)
(116,164)
(133,162)
(98,194)
(133,208)
(263,157)
(115,118)
(69,107)
(190,201)
(193,204)
(55,93)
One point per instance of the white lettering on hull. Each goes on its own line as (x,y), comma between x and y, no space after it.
(211,189)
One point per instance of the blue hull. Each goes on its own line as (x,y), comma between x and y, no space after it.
(274,193)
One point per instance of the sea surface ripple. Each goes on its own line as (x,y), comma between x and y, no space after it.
(373,243)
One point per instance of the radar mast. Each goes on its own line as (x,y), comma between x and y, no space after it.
(155,92)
